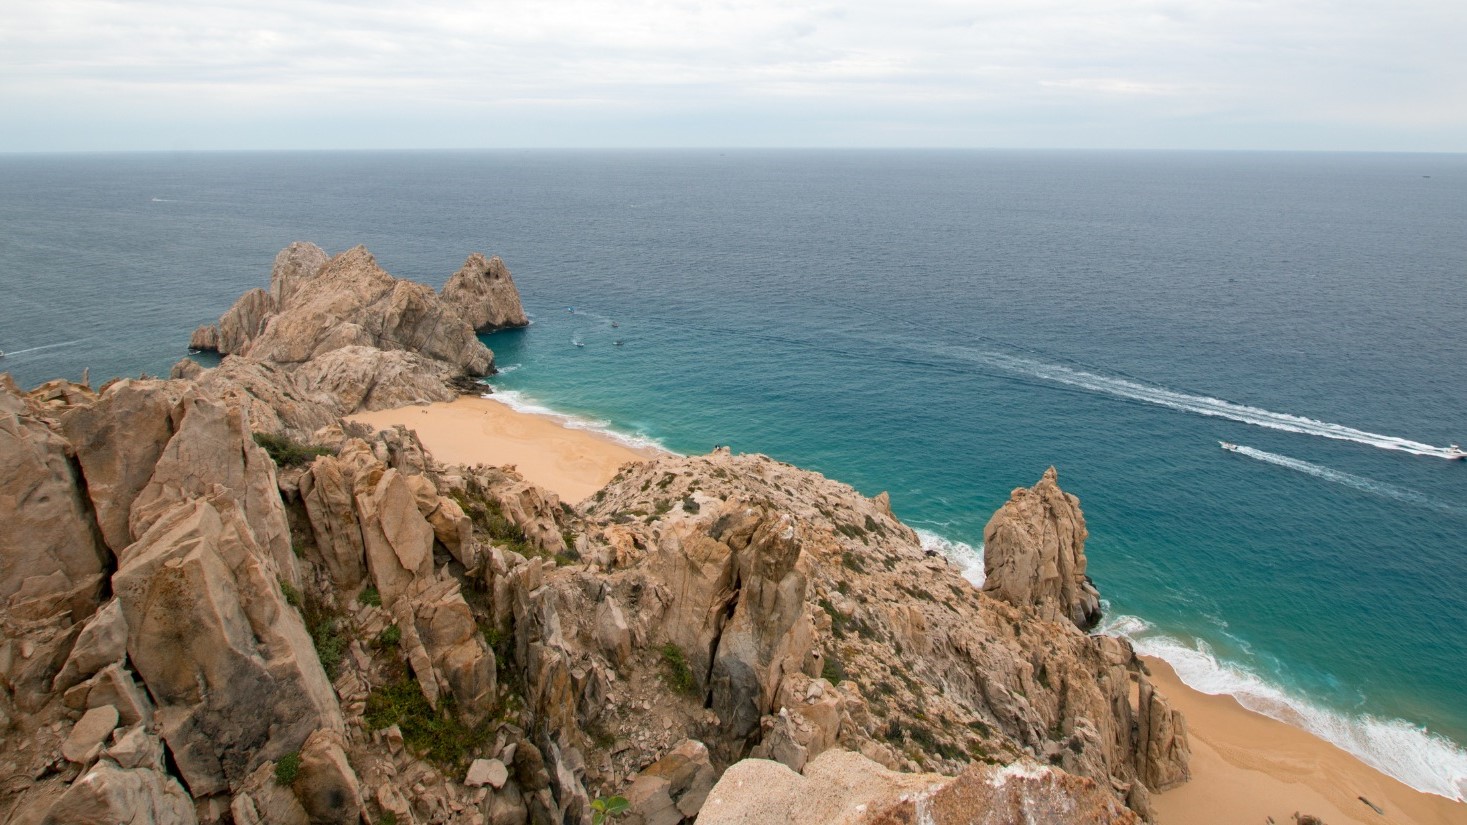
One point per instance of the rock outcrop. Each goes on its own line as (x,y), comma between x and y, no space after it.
(484,295)
(195,633)
(1034,554)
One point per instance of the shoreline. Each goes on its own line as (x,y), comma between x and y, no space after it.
(1246,767)
(570,462)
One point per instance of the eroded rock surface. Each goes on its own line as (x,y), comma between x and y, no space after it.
(1034,553)
(484,295)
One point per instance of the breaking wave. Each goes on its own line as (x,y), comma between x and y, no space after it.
(519,402)
(964,555)
(1426,761)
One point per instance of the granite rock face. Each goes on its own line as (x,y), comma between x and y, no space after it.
(1034,554)
(351,301)
(484,295)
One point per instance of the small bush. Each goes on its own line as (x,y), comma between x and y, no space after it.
(690,506)
(834,670)
(370,597)
(292,596)
(679,675)
(324,625)
(852,561)
(288,768)
(389,637)
(288,453)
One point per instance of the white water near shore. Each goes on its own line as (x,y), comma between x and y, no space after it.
(1426,761)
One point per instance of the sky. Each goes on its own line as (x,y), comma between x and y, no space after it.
(106,75)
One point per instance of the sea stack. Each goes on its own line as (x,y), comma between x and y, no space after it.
(484,295)
(1034,553)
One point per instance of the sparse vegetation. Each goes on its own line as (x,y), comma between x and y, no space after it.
(287,768)
(390,637)
(834,670)
(438,735)
(324,625)
(604,810)
(292,596)
(675,667)
(689,505)
(851,561)
(370,597)
(286,452)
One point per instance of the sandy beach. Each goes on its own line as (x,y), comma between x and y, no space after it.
(573,463)
(1245,766)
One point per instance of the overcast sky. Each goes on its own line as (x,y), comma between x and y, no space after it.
(321,74)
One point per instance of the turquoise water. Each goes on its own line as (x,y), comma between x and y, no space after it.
(942,325)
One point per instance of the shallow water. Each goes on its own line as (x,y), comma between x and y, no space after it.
(942,325)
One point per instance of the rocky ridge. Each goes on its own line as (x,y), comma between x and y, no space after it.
(343,629)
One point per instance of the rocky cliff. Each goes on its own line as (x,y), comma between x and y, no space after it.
(206,622)
(484,295)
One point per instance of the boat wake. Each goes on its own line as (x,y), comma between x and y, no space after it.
(1197,404)
(45,347)
(1361,483)
(1426,761)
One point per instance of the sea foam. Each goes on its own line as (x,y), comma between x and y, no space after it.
(519,402)
(1424,760)
(967,557)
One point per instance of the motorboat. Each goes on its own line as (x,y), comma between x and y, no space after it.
(1229,446)
(1456,453)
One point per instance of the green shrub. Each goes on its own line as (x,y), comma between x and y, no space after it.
(679,675)
(288,453)
(438,735)
(834,670)
(287,768)
(389,637)
(690,506)
(292,596)
(370,597)
(604,810)
(324,625)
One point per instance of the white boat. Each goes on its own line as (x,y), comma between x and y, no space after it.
(1456,453)
(1229,446)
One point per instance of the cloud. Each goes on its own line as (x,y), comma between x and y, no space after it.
(1181,71)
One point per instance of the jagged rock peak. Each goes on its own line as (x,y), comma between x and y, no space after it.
(295,264)
(484,294)
(1034,553)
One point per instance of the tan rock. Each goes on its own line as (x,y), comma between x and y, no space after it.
(397,539)
(1034,553)
(212,450)
(103,640)
(352,301)
(356,378)
(327,786)
(118,439)
(86,738)
(491,772)
(1162,750)
(326,491)
(229,663)
(205,338)
(244,321)
(296,264)
(107,794)
(484,295)
(51,559)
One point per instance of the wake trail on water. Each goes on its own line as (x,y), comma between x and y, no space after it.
(44,347)
(1361,483)
(519,402)
(1428,762)
(1187,402)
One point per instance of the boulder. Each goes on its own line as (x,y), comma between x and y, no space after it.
(214,450)
(491,772)
(86,737)
(234,674)
(118,440)
(108,794)
(205,338)
(483,294)
(327,786)
(397,539)
(102,641)
(51,559)
(356,378)
(1034,553)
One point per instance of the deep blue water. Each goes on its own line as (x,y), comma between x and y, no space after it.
(942,325)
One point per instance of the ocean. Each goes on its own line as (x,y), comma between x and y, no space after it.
(943,325)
